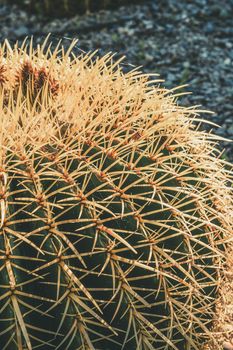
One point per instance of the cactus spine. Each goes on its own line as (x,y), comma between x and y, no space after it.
(115,208)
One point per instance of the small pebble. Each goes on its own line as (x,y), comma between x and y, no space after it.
(229,44)
(227,61)
(21,31)
(209,28)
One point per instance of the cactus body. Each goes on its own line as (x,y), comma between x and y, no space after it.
(115,208)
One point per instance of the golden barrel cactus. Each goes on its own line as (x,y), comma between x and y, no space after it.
(115,207)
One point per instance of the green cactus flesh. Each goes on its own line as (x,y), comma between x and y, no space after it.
(115,208)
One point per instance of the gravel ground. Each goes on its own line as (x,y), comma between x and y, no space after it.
(186,42)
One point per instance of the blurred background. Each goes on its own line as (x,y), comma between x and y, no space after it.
(185,42)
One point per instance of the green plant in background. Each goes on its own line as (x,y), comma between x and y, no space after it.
(115,208)
(69,7)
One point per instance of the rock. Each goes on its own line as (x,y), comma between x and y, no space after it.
(21,31)
(186,64)
(224,13)
(148,57)
(209,28)
(227,61)
(231,53)
(230,130)
(228,44)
